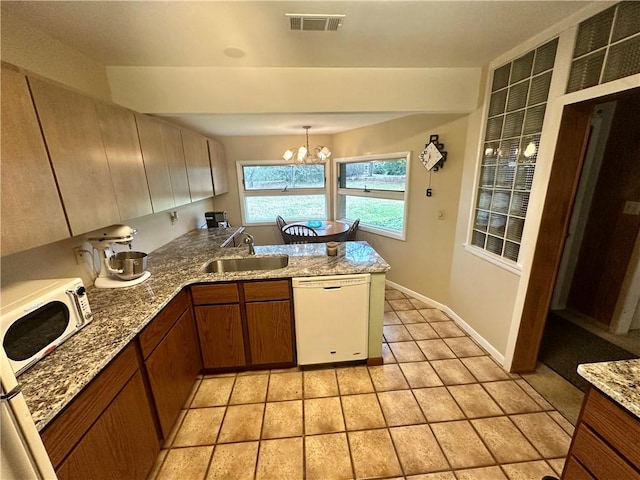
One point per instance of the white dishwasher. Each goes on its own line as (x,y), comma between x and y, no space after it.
(332,318)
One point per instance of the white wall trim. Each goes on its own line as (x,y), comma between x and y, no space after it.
(455,317)
(498,261)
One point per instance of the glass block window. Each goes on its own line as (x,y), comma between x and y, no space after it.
(607,47)
(519,93)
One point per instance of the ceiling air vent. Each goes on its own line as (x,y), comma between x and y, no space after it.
(314,22)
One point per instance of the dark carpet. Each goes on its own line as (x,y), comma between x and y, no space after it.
(565,345)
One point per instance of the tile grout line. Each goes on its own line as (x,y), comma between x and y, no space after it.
(467,419)
(384,417)
(387,427)
(224,416)
(346,430)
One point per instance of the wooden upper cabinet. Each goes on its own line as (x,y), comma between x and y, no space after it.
(150,132)
(72,132)
(177,165)
(196,155)
(218,167)
(122,146)
(32,213)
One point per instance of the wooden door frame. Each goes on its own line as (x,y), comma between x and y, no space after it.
(571,145)
(566,169)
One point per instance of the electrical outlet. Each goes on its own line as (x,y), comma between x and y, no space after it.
(79,253)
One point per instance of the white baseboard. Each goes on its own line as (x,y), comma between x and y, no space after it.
(497,356)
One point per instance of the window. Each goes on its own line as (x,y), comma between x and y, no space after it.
(296,192)
(606,47)
(374,188)
(517,104)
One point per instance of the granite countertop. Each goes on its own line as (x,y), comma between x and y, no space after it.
(121,313)
(620,381)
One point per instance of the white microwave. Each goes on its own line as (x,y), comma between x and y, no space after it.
(38,315)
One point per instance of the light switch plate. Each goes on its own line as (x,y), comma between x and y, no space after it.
(631,208)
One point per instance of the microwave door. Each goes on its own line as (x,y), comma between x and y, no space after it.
(23,454)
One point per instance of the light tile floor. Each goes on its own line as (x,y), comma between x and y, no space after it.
(438,409)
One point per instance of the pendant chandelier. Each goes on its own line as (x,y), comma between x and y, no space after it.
(304,155)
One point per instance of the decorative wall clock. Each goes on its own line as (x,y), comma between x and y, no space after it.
(433,157)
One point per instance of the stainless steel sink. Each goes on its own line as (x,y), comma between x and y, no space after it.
(271,262)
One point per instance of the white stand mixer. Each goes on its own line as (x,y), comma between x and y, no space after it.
(122,235)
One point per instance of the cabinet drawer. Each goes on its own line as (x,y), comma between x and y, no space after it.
(269,290)
(215,294)
(602,461)
(613,424)
(159,326)
(67,429)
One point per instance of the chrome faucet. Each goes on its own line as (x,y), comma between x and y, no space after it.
(248,239)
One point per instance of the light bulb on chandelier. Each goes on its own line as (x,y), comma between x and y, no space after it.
(303,155)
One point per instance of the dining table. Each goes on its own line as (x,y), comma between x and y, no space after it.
(327,230)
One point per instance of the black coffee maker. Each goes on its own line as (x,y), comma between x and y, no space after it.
(216,219)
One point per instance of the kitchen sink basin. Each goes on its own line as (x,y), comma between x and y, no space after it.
(271,262)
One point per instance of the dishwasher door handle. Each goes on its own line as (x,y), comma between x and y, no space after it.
(336,287)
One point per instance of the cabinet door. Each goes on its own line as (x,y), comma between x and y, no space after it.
(221,338)
(218,167)
(196,156)
(122,443)
(177,165)
(270,332)
(122,146)
(172,368)
(72,133)
(155,162)
(32,213)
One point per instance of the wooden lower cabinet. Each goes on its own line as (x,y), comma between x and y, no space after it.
(122,443)
(605,442)
(108,431)
(270,335)
(245,324)
(172,368)
(221,337)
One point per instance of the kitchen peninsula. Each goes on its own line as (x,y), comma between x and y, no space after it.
(607,435)
(121,314)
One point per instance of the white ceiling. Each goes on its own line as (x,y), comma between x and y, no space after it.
(391,33)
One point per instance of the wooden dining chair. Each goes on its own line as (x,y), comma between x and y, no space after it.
(281,224)
(351,233)
(298,234)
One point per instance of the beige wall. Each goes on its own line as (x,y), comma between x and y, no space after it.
(421,263)
(480,293)
(29,48)
(169,90)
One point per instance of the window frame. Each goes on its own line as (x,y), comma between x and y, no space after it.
(243,193)
(373,193)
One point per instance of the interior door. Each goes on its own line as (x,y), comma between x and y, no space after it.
(614,220)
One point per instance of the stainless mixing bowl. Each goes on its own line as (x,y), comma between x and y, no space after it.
(132,264)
